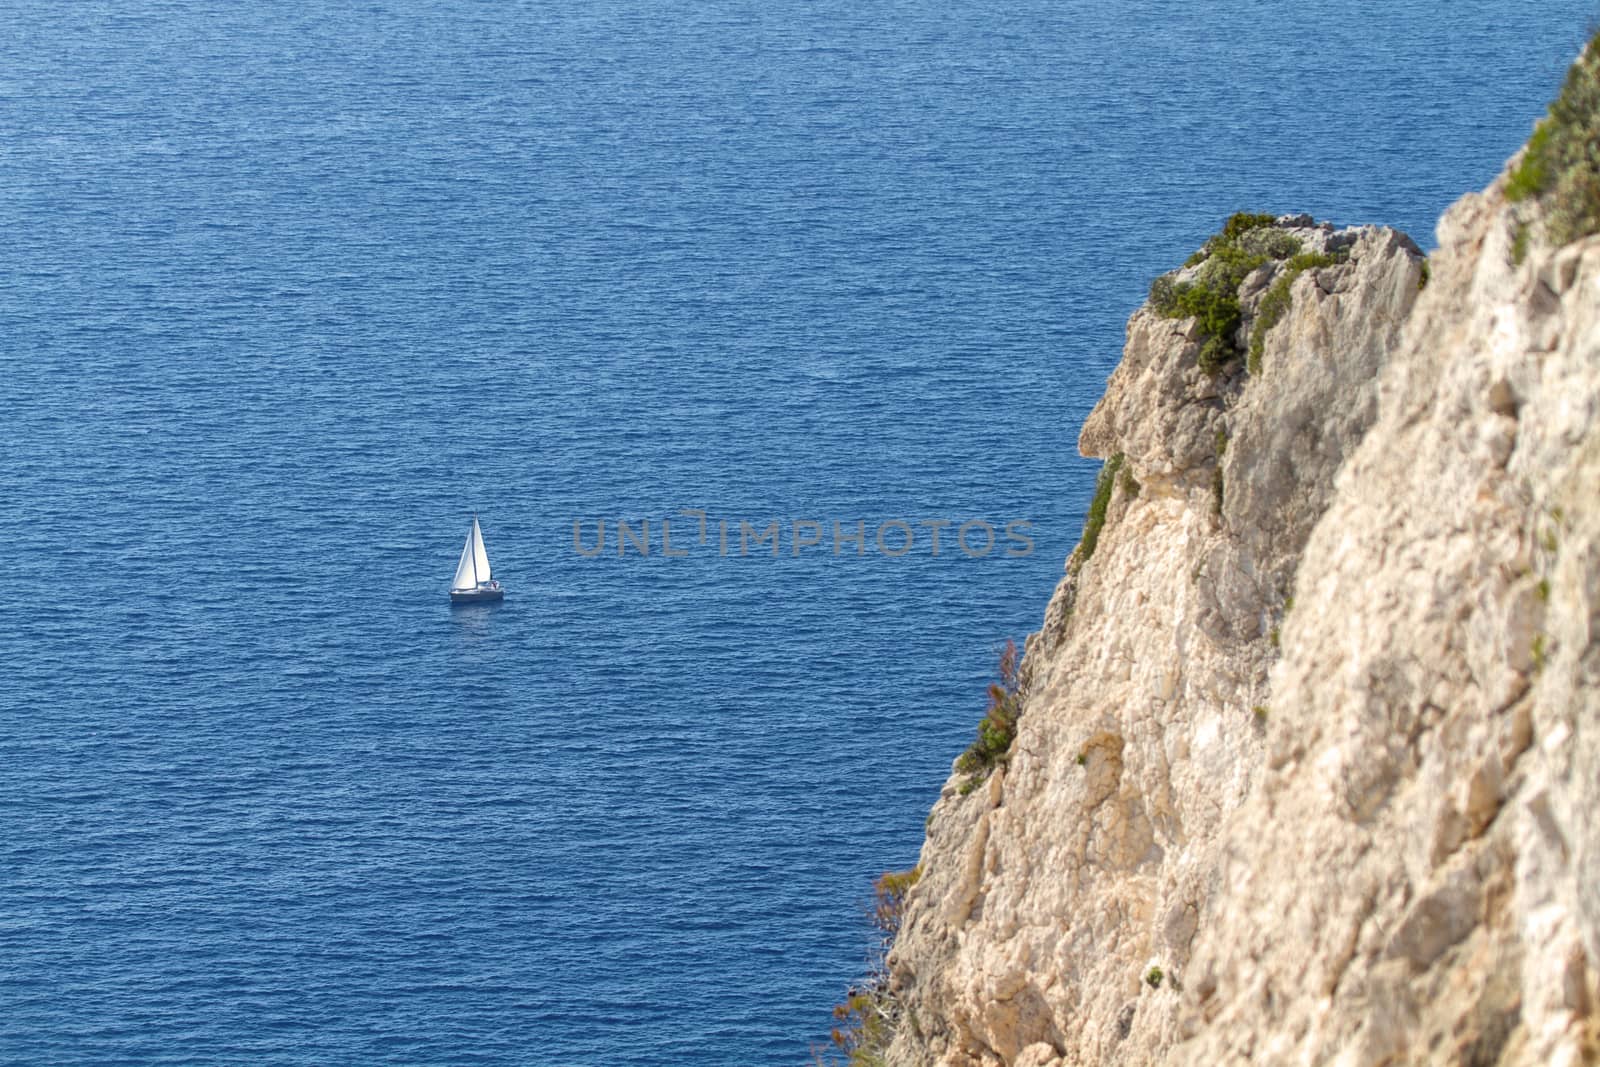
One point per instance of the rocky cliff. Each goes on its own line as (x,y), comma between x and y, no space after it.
(1308,764)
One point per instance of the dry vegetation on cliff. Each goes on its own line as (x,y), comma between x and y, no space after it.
(865,1021)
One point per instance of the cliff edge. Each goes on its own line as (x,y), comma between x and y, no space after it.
(1308,756)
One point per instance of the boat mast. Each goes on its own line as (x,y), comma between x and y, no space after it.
(472,544)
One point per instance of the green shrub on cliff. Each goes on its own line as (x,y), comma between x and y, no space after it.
(1212,297)
(1095,520)
(1561,165)
(1531,175)
(1242,222)
(999,725)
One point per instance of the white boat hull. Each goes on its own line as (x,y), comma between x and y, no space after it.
(489,591)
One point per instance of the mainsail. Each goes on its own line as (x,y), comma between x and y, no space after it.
(474,565)
(480,557)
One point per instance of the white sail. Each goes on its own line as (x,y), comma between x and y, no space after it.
(480,555)
(465,578)
(472,582)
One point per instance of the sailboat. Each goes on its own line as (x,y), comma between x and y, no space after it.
(473,584)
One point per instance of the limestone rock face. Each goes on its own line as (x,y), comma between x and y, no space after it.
(1413,880)
(1309,765)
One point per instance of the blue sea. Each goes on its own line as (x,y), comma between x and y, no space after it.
(288,293)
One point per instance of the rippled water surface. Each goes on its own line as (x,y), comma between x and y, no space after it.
(289,294)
